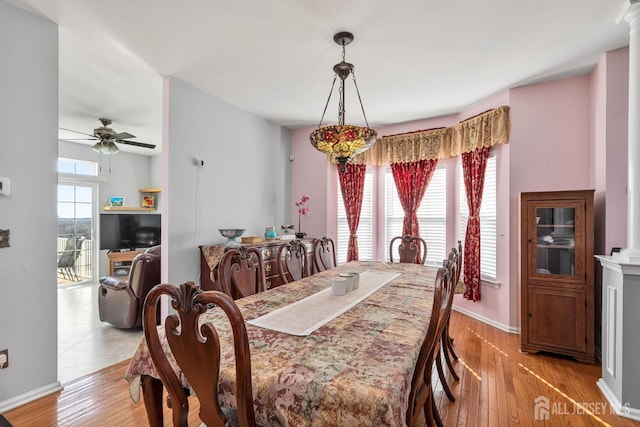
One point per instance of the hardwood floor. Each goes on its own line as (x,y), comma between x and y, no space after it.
(498,387)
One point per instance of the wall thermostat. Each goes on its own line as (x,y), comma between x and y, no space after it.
(5,187)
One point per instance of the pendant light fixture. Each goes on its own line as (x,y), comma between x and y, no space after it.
(341,141)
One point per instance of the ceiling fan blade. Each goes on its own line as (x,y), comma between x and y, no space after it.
(81,133)
(80,139)
(137,144)
(122,135)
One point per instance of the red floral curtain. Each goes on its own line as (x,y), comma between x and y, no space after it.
(352,186)
(474,164)
(412,179)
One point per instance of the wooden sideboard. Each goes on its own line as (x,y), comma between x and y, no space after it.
(268,250)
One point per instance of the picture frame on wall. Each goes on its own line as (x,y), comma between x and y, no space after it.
(148,201)
(116,201)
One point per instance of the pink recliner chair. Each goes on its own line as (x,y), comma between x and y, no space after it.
(120,302)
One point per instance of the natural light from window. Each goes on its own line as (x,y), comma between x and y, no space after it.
(488,212)
(77,167)
(432,215)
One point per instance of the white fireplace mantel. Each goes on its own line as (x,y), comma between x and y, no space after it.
(620,382)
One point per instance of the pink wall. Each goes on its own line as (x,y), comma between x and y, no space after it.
(610,89)
(552,147)
(551,150)
(309,174)
(550,136)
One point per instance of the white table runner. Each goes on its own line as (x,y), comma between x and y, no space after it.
(305,316)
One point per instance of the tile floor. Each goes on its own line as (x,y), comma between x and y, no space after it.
(85,344)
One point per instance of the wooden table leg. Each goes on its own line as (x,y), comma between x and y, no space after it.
(152,395)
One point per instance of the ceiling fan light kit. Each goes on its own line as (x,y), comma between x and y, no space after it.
(105,147)
(341,141)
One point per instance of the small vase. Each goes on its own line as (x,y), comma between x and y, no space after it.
(300,235)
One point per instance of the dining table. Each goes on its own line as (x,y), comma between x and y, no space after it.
(318,359)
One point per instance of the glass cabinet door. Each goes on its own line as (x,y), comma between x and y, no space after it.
(555,235)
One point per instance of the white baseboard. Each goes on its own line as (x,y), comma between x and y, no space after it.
(624,410)
(506,328)
(30,396)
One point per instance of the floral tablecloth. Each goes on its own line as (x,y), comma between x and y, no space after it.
(354,370)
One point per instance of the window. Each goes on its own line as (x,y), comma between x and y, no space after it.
(77,167)
(365,228)
(487,219)
(432,215)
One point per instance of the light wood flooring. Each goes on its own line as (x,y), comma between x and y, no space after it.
(498,387)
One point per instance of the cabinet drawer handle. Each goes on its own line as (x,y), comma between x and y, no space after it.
(267,268)
(267,253)
(268,284)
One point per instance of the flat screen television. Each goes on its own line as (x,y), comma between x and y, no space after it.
(129,230)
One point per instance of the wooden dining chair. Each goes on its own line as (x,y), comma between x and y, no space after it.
(451,265)
(324,254)
(421,399)
(293,263)
(409,248)
(196,350)
(241,272)
(450,352)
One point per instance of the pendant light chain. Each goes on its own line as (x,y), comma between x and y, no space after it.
(335,76)
(353,73)
(341,103)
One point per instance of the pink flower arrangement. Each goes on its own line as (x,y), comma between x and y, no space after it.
(302,209)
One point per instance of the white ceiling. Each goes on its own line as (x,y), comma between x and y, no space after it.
(413,58)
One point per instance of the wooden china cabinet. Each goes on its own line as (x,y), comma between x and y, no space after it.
(557,273)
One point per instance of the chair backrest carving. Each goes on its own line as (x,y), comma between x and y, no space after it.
(293,263)
(241,272)
(324,254)
(411,249)
(196,350)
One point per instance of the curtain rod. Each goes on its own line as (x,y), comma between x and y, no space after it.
(414,131)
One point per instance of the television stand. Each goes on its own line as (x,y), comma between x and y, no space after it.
(120,262)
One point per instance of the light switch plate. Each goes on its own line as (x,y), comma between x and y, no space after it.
(5,187)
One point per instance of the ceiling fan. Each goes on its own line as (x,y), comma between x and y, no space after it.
(107,138)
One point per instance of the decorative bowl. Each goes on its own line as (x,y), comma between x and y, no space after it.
(231,234)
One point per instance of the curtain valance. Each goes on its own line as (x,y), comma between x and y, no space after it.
(484,130)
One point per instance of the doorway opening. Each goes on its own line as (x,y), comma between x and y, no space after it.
(76,219)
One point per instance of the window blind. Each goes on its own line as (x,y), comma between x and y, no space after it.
(488,214)
(432,215)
